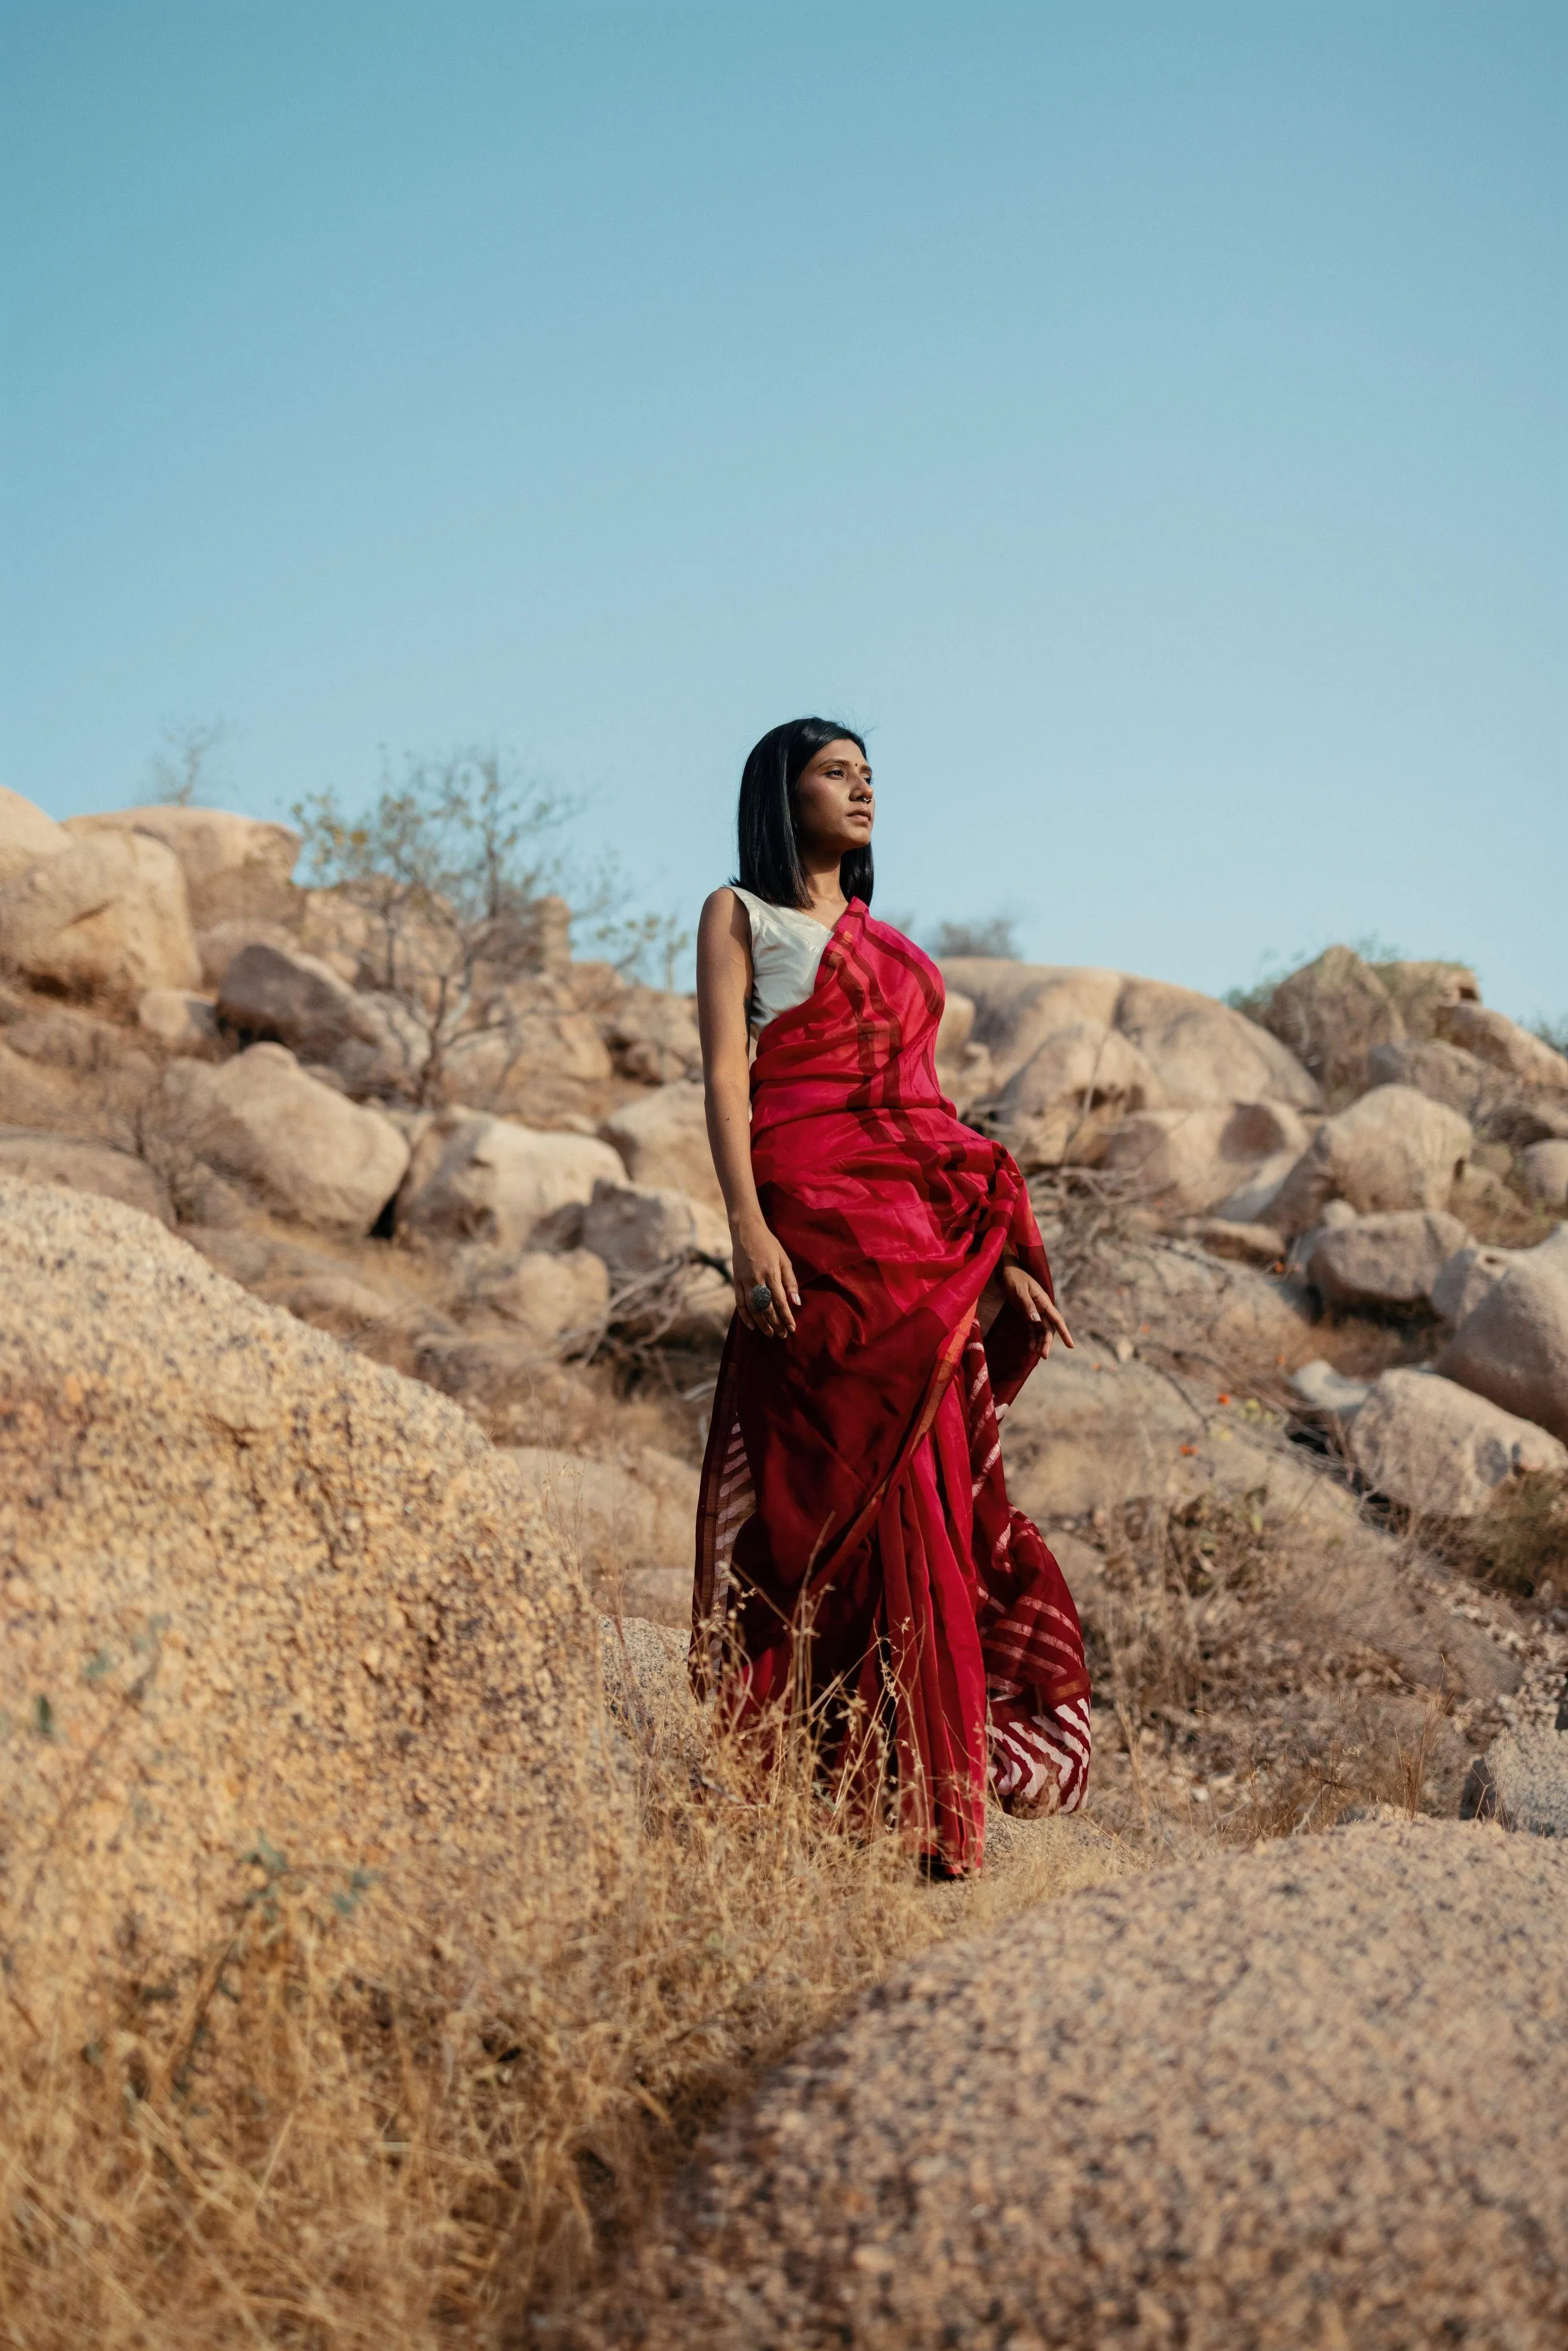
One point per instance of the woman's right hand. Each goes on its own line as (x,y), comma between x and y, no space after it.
(759,1258)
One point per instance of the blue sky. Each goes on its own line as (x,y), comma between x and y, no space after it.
(1147,421)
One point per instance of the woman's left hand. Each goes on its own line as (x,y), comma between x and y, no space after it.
(1035,1300)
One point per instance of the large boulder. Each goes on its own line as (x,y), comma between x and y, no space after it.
(1074,1086)
(1331,1014)
(637,1228)
(234,865)
(662,1139)
(1443,1452)
(219,944)
(1255,2102)
(1382,1262)
(652,1036)
(536,1055)
(1395,1148)
(284,996)
(1476,1268)
(544,1295)
(1512,1346)
(1524,1780)
(1544,1169)
(364,1304)
(297,1145)
(107,917)
(629,1527)
(180,1021)
(370,1042)
(1198,1051)
(259,1594)
(1493,1037)
(83,1167)
(1419,990)
(1189,1161)
(473,1179)
(27,835)
(1477,1090)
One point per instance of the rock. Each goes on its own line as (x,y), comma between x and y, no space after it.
(1249,1244)
(1088,1434)
(234,865)
(643,1233)
(1323,1390)
(1419,989)
(1441,1451)
(545,1294)
(107,918)
(1498,1104)
(257,1585)
(1202,1051)
(219,944)
(1255,2102)
(536,1056)
(1075,1087)
(1395,1148)
(663,1140)
(473,1179)
(1447,1075)
(63,1036)
(1331,1014)
(284,997)
(1254,1197)
(1199,1052)
(1191,1160)
(629,1529)
(180,1020)
(638,1228)
(32,1158)
(298,1146)
(1526,1773)
(43,1100)
(1512,1346)
(652,1036)
(1464,1281)
(292,999)
(321,1290)
(1544,1167)
(1389,1260)
(27,835)
(1493,1037)
(1473,1270)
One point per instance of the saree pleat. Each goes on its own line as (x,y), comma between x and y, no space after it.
(855,1542)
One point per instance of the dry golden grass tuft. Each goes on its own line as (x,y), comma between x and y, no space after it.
(334,2136)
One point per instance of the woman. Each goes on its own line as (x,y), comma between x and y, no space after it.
(854,1538)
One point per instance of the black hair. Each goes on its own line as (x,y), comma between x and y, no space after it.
(771,863)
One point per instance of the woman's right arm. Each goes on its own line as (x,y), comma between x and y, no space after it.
(724,984)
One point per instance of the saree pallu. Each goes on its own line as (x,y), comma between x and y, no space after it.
(856,1548)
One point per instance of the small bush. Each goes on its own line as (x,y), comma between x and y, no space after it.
(1520,1545)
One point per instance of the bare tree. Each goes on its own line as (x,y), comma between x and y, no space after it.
(181,768)
(459,871)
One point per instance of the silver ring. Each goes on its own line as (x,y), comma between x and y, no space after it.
(761,1298)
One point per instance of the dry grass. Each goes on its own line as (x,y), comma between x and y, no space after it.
(1519,1546)
(1227,1715)
(335,2138)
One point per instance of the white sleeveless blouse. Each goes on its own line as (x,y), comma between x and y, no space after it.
(786,948)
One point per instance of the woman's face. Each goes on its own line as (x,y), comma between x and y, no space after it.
(835,804)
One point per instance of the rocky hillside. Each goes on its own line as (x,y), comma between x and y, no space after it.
(356,1340)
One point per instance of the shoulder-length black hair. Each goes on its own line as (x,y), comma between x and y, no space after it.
(771,863)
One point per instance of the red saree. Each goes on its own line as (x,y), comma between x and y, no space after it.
(853,1488)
